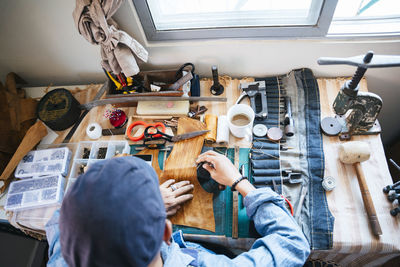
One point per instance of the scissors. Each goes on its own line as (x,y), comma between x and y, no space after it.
(288,204)
(156,126)
(153,133)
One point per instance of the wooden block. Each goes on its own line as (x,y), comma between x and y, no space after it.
(163,108)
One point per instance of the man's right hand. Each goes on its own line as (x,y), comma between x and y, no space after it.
(223,171)
(220,167)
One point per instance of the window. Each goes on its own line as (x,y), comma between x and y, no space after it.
(205,19)
(366,18)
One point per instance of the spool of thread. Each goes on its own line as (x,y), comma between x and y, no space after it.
(211,122)
(328,183)
(94,131)
(223,130)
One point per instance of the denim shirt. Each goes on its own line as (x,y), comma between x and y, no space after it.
(283,243)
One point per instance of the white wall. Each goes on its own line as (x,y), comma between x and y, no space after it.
(39,41)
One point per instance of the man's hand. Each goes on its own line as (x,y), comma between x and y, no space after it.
(220,167)
(175,194)
(224,172)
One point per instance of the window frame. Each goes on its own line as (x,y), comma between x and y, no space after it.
(272,32)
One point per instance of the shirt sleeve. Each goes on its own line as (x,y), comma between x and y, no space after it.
(53,238)
(283,243)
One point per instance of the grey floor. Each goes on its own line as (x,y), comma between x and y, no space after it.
(19,251)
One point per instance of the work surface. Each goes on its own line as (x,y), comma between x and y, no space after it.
(354,243)
(352,236)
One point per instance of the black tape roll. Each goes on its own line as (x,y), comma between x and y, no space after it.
(266,172)
(264,154)
(204,177)
(58,109)
(265,164)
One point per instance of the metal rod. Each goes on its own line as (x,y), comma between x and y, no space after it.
(128,99)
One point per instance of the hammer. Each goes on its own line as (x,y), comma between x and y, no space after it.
(354,153)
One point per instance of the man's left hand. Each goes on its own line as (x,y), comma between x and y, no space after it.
(175,194)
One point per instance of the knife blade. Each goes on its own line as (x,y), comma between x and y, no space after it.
(185,136)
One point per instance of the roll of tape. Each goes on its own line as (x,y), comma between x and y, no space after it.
(94,131)
(328,183)
(58,109)
(223,130)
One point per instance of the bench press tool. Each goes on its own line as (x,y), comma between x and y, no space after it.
(257,93)
(364,106)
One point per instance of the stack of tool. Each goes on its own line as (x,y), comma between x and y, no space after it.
(272,108)
(269,101)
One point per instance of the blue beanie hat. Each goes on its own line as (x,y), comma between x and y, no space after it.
(113,215)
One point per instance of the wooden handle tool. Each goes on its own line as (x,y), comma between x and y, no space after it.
(366,196)
(353,153)
(32,137)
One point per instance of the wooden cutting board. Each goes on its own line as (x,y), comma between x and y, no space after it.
(180,166)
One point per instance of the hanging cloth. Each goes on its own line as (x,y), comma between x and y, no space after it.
(118,49)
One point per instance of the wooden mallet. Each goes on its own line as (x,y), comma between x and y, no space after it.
(354,153)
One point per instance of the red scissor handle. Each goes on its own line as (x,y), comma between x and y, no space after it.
(142,123)
(289,205)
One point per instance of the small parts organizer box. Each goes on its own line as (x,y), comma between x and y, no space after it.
(35,192)
(90,152)
(44,162)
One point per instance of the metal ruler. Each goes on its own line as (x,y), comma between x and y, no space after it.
(235,201)
(128,99)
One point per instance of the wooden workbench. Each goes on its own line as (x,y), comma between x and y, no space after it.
(354,243)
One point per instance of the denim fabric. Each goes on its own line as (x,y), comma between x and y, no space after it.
(282,242)
(322,220)
(305,156)
(53,238)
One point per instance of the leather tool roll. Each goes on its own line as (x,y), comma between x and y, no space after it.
(266,179)
(264,154)
(265,145)
(273,116)
(273,105)
(266,172)
(265,164)
(268,121)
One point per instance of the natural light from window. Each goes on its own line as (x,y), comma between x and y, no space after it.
(196,14)
(204,19)
(373,17)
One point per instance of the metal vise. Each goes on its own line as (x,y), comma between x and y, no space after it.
(256,91)
(365,106)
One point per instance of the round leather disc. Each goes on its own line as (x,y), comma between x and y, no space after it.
(331,126)
(275,134)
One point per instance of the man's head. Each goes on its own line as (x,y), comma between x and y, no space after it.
(113,215)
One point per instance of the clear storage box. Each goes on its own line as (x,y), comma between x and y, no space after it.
(35,192)
(52,161)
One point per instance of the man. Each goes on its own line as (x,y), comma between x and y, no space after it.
(114,215)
